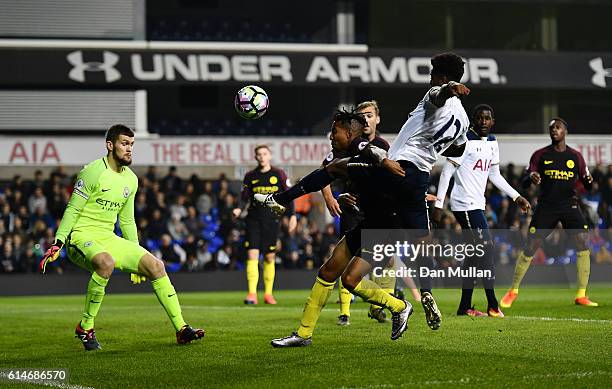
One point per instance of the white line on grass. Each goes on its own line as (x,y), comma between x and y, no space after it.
(473,380)
(53,384)
(277,309)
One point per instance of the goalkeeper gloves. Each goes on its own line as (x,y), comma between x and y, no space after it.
(137,278)
(50,255)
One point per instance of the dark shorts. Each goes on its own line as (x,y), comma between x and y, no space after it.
(261,234)
(545,219)
(474,222)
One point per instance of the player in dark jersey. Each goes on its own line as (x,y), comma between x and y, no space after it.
(347,208)
(346,136)
(557,169)
(262,225)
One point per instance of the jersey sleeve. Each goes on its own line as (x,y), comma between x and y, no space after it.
(85,185)
(534,162)
(583,172)
(284,185)
(127,223)
(495,157)
(447,172)
(458,161)
(246,192)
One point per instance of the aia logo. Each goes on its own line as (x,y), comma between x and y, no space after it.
(483,165)
(79,67)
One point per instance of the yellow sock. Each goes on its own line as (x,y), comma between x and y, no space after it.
(316,301)
(373,294)
(345,299)
(252,272)
(583,270)
(521,267)
(268,276)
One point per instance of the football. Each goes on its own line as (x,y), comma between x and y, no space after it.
(251,102)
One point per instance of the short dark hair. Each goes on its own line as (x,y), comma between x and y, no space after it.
(262,146)
(351,120)
(561,120)
(449,65)
(482,107)
(118,129)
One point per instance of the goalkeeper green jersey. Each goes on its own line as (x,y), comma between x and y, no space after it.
(100,195)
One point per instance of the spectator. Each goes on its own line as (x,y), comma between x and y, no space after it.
(171,253)
(37,201)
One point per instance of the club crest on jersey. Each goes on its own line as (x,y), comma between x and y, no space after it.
(126,192)
(570,164)
(273,180)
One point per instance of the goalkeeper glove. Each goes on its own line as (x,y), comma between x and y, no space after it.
(137,278)
(50,255)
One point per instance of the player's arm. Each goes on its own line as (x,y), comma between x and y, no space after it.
(584,174)
(85,185)
(438,96)
(127,222)
(286,184)
(457,148)
(245,195)
(330,201)
(500,182)
(449,169)
(379,157)
(533,176)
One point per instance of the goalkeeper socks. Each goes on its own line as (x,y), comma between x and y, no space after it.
(312,182)
(345,299)
(252,273)
(169,300)
(316,301)
(522,265)
(583,270)
(373,294)
(93,300)
(268,277)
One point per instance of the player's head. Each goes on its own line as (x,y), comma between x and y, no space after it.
(446,67)
(119,143)
(557,129)
(483,119)
(263,155)
(346,126)
(369,109)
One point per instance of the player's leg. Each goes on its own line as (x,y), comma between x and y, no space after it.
(467,283)
(371,292)
(573,221)
(154,269)
(329,272)
(543,221)
(91,255)
(252,243)
(386,280)
(413,215)
(269,236)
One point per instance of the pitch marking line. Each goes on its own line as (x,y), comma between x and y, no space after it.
(473,380)
(60,385)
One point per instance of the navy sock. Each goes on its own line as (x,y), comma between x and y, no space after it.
(466,300)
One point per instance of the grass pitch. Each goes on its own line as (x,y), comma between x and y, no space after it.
(544,341)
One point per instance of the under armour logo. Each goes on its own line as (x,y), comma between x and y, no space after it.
(599,78)
(109,60)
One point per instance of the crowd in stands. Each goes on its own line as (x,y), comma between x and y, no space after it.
(188,222)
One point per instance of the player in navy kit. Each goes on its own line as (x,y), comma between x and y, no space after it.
(556,168)
(262,225)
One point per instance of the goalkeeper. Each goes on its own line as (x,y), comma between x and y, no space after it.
(105,189)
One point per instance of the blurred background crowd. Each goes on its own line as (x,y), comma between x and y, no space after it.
(188,222)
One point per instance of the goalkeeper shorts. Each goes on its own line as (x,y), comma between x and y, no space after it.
(82,246)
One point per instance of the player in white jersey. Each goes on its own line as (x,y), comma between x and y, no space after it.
(471,171)
(437,126)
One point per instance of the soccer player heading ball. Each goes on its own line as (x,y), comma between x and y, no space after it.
(105,189)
